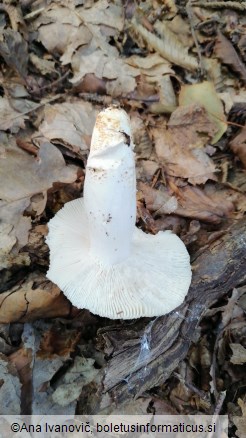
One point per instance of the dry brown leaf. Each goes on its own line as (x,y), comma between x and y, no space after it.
(61,31)
(44,66)
(146,169)
(14,50)
(213,69)
(225,51)
(104,13)
(32,175)
(166,44)
(142,142)
(198,204)
(69,123)
(151,65)
(193,203)
(167,98)
(205,95)
(104,63)
(161,202)
(33,299)
(12,213)
(238,145)
(180,146)
(155,70)
(238,354)
(9,117)
(240,422)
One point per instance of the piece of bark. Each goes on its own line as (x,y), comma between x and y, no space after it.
(144,354)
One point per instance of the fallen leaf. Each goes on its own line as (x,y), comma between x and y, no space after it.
(69,123)
(35,298)
(238,354)
(44,66)
(204,94)
(14,50)
(238,145)
(180,146)
(205,206)
(55,342)
(240,422)
(61,30)
(161,202)
(166,44)
(225,51)
(9,117)
(34,175)
(193,203)
(12,213)
(143,144)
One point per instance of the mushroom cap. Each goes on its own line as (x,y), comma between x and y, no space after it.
(152,281)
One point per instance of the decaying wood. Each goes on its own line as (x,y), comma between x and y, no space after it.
(144,354)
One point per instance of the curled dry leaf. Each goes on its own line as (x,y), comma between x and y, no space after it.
(33,299)
(70,124)
(180,146)
(204,94)
(166,44)
(238,145)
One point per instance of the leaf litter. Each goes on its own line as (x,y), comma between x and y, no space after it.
(63,62)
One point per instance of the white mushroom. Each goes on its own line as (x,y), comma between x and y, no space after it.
(98,258)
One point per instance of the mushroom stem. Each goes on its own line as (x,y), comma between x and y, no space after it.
(99,259)
(110,189)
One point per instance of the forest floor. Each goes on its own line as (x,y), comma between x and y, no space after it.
(178,69)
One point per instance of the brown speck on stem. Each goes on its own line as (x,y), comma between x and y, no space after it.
(127,138)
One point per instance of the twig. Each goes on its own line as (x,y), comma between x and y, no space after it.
(60,79)
(193,33)
(37,107)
